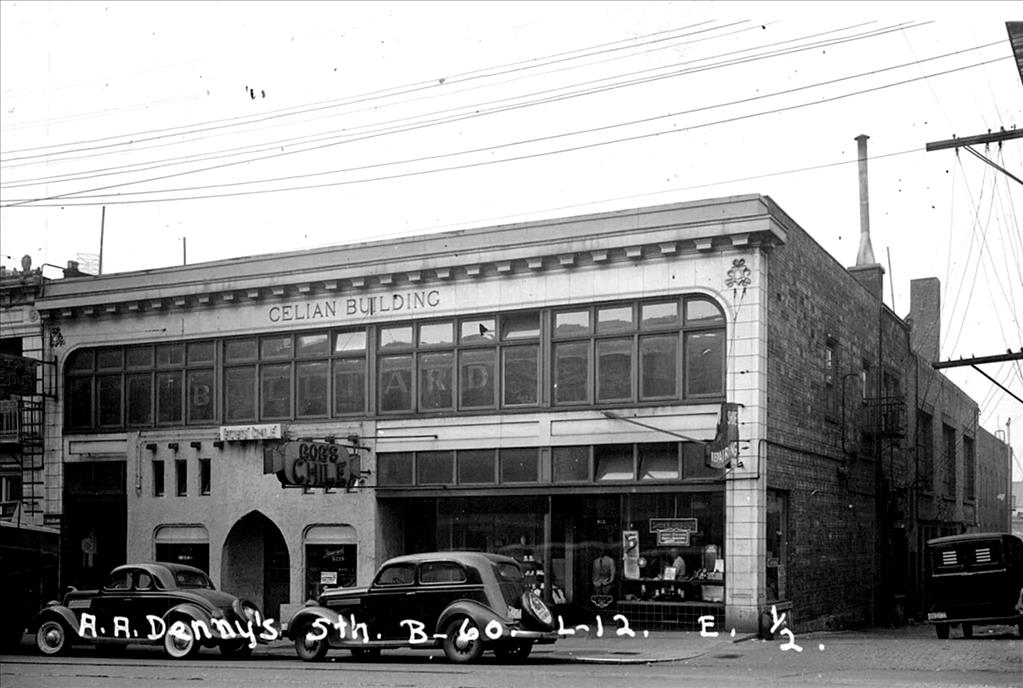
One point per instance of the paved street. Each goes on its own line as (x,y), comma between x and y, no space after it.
(910,656)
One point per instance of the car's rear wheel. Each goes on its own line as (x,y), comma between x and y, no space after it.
(462,641)
(942,631)
(513,651)
(308,649)
(365,654)
(235,649)
(179,642)
(967,630)
(52,638)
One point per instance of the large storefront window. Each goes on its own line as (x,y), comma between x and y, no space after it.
(639,352)
(666,549)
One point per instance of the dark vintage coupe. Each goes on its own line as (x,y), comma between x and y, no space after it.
(463,602)
(974,579)
(155,603)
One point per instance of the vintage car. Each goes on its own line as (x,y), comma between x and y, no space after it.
(463,602)
(974,579)
(153,603)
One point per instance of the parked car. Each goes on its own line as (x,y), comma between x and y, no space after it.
(975,579)
(463,602)
(153,603)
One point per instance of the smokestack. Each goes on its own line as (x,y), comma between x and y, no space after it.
(865,255)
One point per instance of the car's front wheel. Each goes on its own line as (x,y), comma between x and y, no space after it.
(308,649)
(942,631)
(967,631)
(52,638)
(462,642)
(179,642)
(513,651)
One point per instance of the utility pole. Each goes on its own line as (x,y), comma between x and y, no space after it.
(184,250)
(102,226)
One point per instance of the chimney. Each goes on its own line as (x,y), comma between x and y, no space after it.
(925,315)
(867,270)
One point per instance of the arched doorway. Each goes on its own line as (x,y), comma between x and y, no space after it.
(255,563)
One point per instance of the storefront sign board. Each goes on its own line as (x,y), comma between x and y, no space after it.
(659,524)
(317,464)
(241,433)
(673,536)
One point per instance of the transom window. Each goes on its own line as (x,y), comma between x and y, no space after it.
(655,351)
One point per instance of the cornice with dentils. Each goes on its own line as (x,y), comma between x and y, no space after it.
(652,233)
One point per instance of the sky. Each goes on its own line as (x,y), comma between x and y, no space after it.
(197,131)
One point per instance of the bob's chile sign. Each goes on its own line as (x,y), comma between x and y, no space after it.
(312,464)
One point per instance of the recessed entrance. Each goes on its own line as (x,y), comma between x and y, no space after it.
(255,563)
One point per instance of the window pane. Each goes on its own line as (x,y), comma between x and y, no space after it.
(478,331)
(108,397)
(313,344)
(613,462)
(275,347)
(169,389)
(79,393)
(571,464)
(658,461)
(158,478)
(140,357)
(395,388)
(477,378)
(571,364)
(275,391)
(705,363)
(521,365)
(616,319)
(476,467)
(140,399)
(109,359)
(520,465)
(435,381)
(239,350)
(394,469)
(571,323)
(434,468)
(170,355)
(201,406)
(200,352)
(393,337)
(703,312)
(350,341)
(614,369)
(181,477)
(80,361)
(312,387)
(205,477)
(397,574)
(658,359)
(200,395)
(240,393)
(520,326)
(433,334)
(349,385)
(659,315)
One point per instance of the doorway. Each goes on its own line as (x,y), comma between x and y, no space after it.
(256,564)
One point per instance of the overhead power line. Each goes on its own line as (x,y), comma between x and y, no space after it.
(115,198)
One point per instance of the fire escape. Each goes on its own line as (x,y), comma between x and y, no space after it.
(21,428)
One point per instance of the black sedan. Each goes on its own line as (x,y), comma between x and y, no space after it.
(154,603)
(463,602)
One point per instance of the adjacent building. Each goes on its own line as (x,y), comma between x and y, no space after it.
(697,389)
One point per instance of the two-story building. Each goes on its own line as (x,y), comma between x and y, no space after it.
(698,389)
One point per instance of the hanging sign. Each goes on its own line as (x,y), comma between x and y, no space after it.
(312,464)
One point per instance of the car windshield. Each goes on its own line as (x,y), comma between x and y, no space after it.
(192,579)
